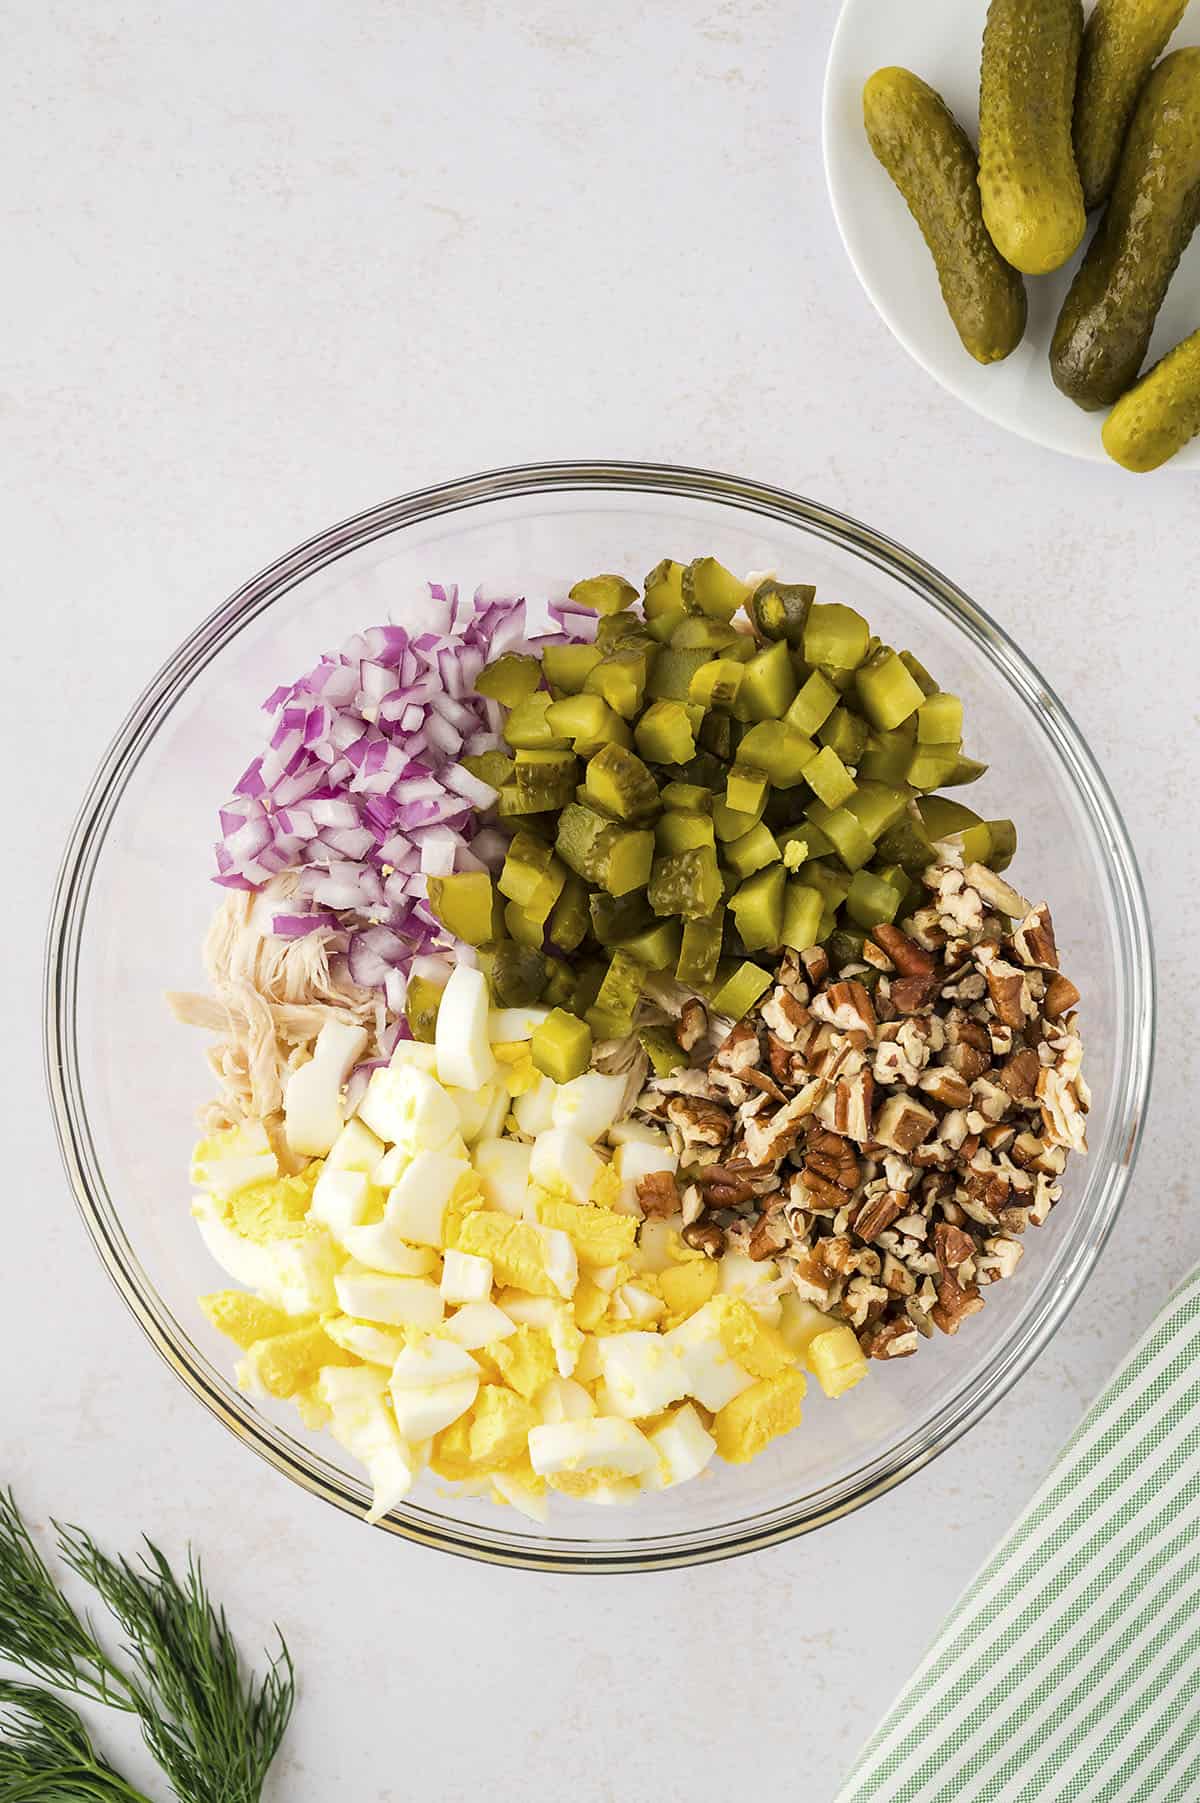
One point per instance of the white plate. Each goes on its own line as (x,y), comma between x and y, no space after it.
(940,40)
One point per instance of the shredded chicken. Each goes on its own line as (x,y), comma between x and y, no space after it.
(270,999)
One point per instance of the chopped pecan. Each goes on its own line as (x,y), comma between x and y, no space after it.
(692,1025)
(909,995)
(847,1006)
(769,1236)
(816,963)
(1033,940)
(785,1016)
(832,1157)
(946,1086)
(954,1304)
(700,1121)
(995,891)
(951,1246)
(737,1052)
(910,959)
(1006,987)
(1061,996)
(658,1194)
(879,1213)
(705,1236)
(1019,1074)
(827,1190)
(894,1339)
(903,1123)
(781,1058)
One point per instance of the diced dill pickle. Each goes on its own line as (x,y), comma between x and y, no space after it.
(930,765)
(730,823)
(835,636)
(589,723)
(757,908)
(716,735)
(656,947)
(706,771)
(813,705)
(617,997)
(421,1007)
(664,733)
(526,864)
(604,594)
(527,728)
(541,902)
(939,719)
(827,927)
(522,927)
(739,992)
(802,911)
(584,840)
(845,946)
(618,782)
(886,691)
(852,844)
(545,779)
(768,684)
(510,679)
(618,917)
(965,770)
(670,677)
(492,767)
(686,882)
(1003,835)
(919,673)
(587,987)
(746,789)
(662,1049)
(663,626)
(888,755)
(569,919)
(463,903)
(663,589)
(566,666)
(779,749)
(694,631)
(517,975)
(689,797)
(871,900)
(620,678)
(709,588)
(908,844)
(561,1046)
(560,985)
(946,819)
(676,831)
(828,778)
(845,733)
(716,684)
(877,806)
(831,884)
(752,851)
(623,632)
(780,609)
(700,950)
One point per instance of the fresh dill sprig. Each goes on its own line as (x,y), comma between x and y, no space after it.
(46,1754)
(213,1728)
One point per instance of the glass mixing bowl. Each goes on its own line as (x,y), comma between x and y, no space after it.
(134,899)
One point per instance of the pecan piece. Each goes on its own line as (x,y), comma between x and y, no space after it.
(1033,940)
(951,1246)
(1019,1074)
(1006,988)
(701,1122)
(946,1086)
(847,1006)
(909,995)
(1061,996)
(692,1025)
(894,1339)
(706,1237)
(954,1304)
(910,959)
(770,1235)
(658,1194)
(878,1214)
(903,1123)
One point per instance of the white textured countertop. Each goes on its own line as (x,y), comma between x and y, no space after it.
(270,264)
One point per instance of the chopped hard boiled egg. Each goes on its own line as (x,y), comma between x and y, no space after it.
(381,1248)
(563,1159)
(416,1206)
(508,1026)
(477,1324)
(466,1278)
(408,1108)
(683,1446)
(589,1104)
(395,1301)
(340,1200)
(464,1053)
(709,1373)
(312,1097)
(356,1148)
(643,1371)
(433,1383)
(583,1454)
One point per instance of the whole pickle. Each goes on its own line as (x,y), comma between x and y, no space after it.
(1122,41)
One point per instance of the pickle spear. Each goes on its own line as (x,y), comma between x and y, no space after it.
(1107,319)
(1161,414)
(1122,41)
(1028,182)
(929,157)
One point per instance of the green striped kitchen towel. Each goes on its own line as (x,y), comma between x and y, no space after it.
(1070,1670)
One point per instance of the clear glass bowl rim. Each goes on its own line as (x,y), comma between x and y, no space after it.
(61,1051)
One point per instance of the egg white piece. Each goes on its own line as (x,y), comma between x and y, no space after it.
(407,1107)
(464,1053)
(377,1345)
(604,1443)
(562,1260)
(588,1104)
(710,1375)
(432,1384)
(340,1199)
(365,1428)
(312,1097)
(562,1399)
(477,1324)
(378,1246)
(475,1109)
(643,1374)
(535,1109)
(466,1277)
(557,1319)
(562,1158)
(416,1206)
(508,1026)
(393,1301)
(356,1148)
(502,1166)
(415,1052)
(349,1383)
(391,1167)
(521,1495)
(753,1280)
(683,1446)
